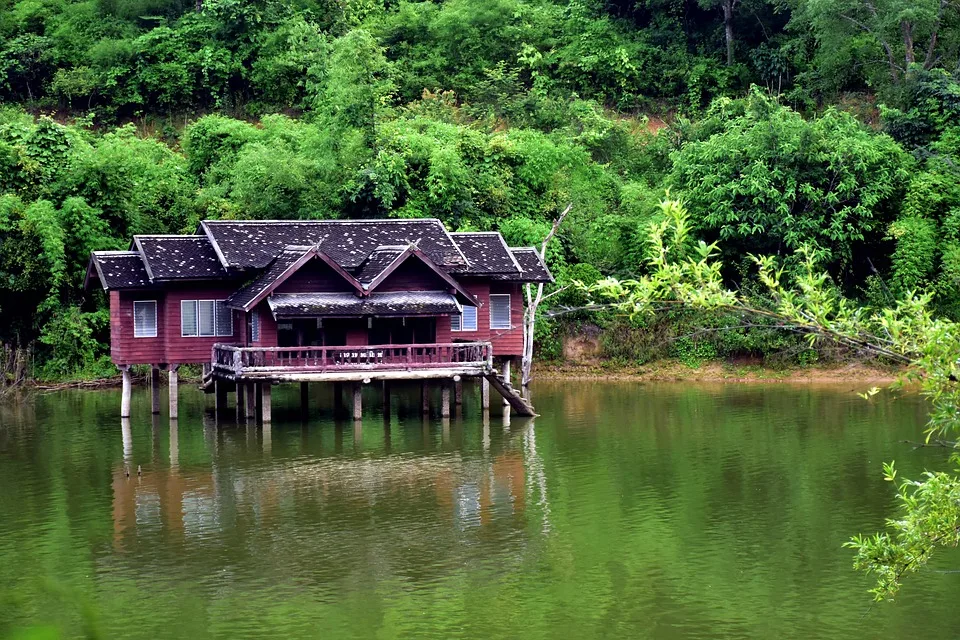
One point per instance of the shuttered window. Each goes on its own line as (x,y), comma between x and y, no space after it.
(188,318)
(145,319)
(500,311)
(254,326)
(224,319)
(467,321)
(208,320)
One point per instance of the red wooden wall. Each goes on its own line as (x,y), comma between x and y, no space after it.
(315,277)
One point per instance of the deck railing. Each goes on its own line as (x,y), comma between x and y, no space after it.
(237,360)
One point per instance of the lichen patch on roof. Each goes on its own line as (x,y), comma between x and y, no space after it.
(179,257)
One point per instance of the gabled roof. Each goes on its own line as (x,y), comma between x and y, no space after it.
(376,263)
(117,270)
(534,269)
(487,253)
(169,257)
(414,252)
(254,244)
(393,303)
(287,263)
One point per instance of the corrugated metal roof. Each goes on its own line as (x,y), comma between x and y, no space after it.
(291,305)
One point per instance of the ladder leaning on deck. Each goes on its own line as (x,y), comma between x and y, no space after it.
(517,402)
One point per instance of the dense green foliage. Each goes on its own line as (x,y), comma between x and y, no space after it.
(132,116)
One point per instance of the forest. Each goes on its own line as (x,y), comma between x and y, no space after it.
(827,124)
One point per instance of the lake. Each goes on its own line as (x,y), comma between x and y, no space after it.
(626,510)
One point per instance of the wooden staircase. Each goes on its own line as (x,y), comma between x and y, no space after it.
(520,405)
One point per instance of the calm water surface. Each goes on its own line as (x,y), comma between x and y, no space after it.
(626,511)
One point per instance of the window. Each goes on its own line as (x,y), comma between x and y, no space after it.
(145,319)
(254,326)
(500,311)
(205,318)
(466,321)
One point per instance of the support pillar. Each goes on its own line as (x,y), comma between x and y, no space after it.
(127,390)
(258,395)
(458,392)
(445,400)
(386,401)
(304,399)
(357,401)
(250,396)
(485,394)
(220,391)
(241,400)
(174,386)
(425,398)
(506,377)
(337,398)
(155,390)
(266,410)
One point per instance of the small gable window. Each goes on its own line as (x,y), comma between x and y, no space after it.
(145,319)
(466,321)
(500,311)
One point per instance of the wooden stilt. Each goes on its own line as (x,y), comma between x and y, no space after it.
(386,401)
(258,394)
(174,387)
(155,390)
(127,390)
(357,401)
(266,409)
(445,400)
(458,392)
(304,399)
(425,398)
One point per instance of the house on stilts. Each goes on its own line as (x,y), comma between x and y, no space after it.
(259,303)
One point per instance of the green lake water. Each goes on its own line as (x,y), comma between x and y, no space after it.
(624,511)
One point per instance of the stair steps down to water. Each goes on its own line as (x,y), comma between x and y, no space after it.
(517,402)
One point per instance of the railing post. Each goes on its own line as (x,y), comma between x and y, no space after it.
(237,363)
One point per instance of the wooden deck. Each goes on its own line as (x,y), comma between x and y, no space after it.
(352,363)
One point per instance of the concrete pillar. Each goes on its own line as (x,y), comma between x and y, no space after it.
(220,391)
(357,401)
(155,390)
(425,398)
(250,397)
(458,392)
(127,390)
(266,410)
(241,400)
(174,387)
(506,376)
(445,400)
(485,394)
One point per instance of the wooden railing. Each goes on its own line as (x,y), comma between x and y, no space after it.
(237,360)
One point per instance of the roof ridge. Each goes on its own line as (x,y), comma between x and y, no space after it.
(326,221)
(165,236)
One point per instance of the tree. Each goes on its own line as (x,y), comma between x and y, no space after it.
(686,274)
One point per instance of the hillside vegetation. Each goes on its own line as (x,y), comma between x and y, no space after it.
(833,124)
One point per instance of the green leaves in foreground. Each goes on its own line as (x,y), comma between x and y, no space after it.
(683,273)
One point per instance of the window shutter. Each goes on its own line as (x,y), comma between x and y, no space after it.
(145,319)
(254,326)
(208,322)
(500,311)
(455,322)
(224,319)
(188,318)
(469,322)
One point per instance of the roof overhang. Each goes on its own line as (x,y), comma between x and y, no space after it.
(347,305)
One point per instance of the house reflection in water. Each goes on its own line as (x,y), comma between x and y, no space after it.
(465,489)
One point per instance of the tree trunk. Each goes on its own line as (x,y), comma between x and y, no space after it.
(907,30)
(728,28)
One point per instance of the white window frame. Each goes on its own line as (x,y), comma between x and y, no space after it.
(200,333)
(457,323)
(145,335)
(196,319)
(509,298)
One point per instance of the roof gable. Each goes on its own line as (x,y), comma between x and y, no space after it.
(288,262)
(254,244)
(413,252)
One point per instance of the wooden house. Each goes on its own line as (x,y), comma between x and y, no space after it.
(263,302)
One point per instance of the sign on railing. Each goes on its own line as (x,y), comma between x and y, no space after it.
(376,357)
